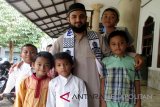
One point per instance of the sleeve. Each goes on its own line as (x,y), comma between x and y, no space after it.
(83,101)
(104,66)
(104,60)
(56,46)
(11,81)
(20,96)
(51,97)
(137,75)
(132,54)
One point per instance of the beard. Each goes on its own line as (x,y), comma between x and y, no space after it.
(79,29)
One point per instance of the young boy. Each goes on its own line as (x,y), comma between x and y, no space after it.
(122,81)
(21,70)
(66,90)
(110,18)
(33,90)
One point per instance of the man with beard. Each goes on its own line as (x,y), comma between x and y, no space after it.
(86,48)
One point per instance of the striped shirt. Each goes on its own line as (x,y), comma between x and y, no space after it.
(120,76)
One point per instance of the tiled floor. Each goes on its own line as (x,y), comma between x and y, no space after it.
(150,98)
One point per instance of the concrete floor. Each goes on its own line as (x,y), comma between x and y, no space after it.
(150,98)
(5,103)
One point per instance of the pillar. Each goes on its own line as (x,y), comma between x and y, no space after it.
(129,16)
(96,16)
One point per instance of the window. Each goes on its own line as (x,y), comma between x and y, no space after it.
(147,40)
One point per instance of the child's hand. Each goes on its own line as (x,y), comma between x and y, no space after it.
(52,73)
(139,61)
(138,104)
(103,103)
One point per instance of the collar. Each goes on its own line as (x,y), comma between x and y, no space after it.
(65,79)
(36,78)
(80,37)
(116,56)
(38,85)
(26,64)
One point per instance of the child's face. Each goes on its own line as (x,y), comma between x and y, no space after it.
(118,45)
(63,67)
(109,19)
(42,66)
(28,54)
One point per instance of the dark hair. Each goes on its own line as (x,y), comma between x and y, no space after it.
(76,6)
(63,55)
(112,9)
(49,45)
(29,45)
(118,33)
(46,55)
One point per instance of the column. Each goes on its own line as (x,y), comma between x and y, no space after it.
(96,16)
(129,16)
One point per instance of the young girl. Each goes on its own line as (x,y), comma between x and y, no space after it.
(66,90)
(33,90)
(122,80)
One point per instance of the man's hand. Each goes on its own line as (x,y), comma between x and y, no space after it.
(138,61)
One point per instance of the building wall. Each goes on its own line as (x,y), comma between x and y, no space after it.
(151,9)
(4,53)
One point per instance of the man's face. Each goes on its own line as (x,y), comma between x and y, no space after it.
(77,20)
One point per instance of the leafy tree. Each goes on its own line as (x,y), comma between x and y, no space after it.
(15,29)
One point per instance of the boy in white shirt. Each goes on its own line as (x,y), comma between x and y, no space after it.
(66,90)
(21,70)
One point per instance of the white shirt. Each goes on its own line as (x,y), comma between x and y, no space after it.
(68,88)
(17,75)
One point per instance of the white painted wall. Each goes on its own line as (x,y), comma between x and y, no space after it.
(151,9)
(46,40)
(2,52)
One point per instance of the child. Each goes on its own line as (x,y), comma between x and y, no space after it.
(21,70)
(121,77)
(66,90)
(110,18)
(33,90)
